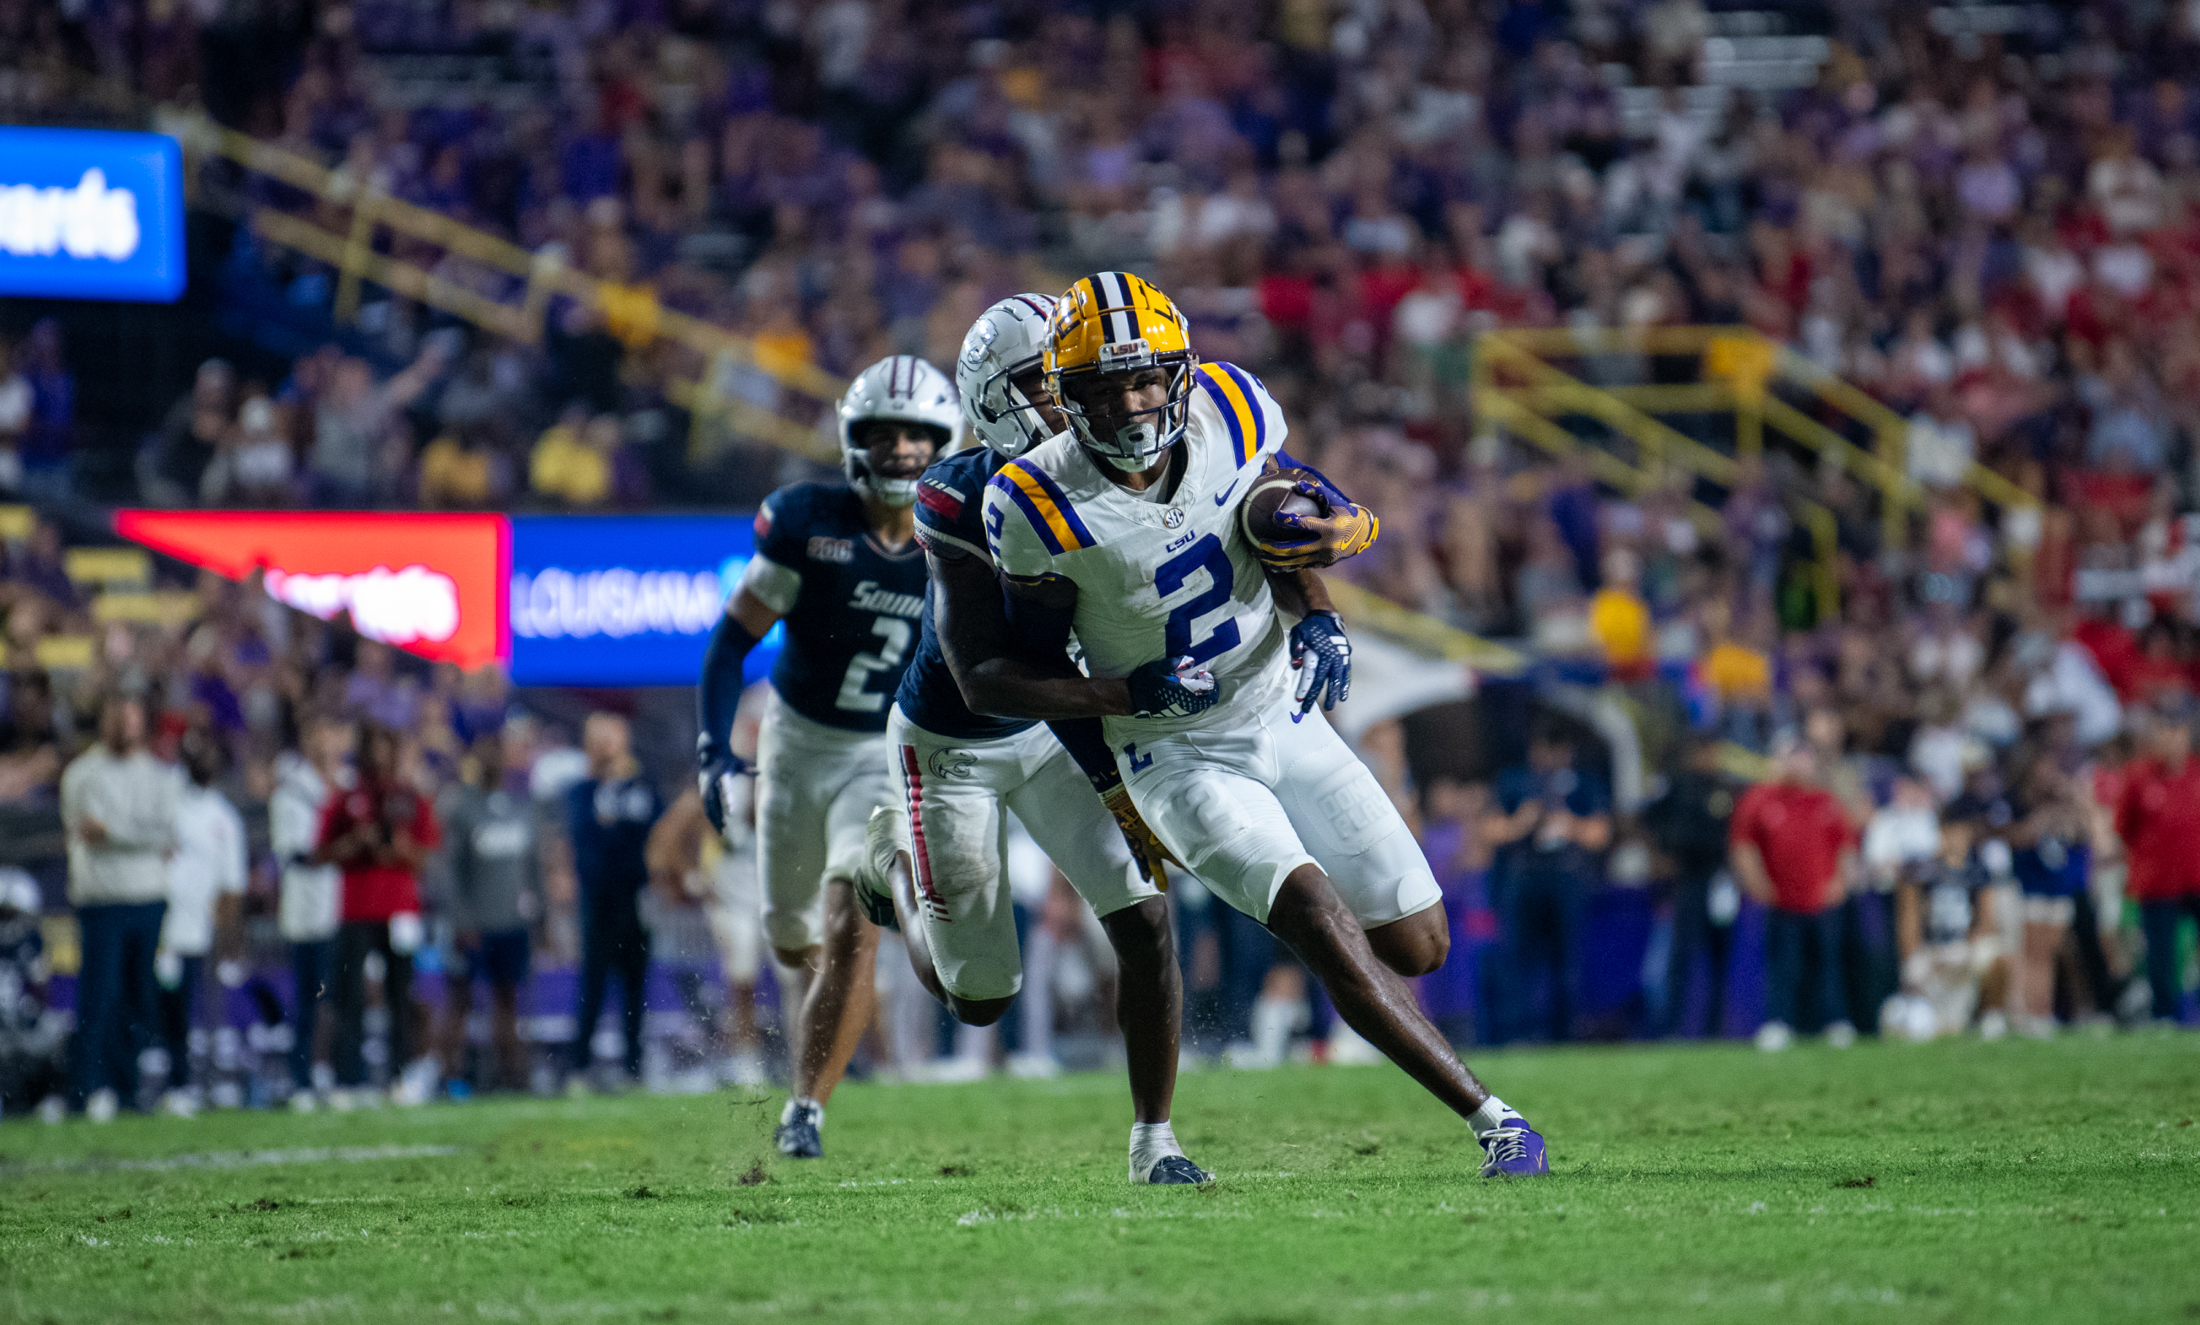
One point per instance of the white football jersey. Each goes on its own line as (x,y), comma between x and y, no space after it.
(1172,578)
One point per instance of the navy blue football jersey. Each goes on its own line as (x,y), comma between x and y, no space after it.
(949,513)
(851,625)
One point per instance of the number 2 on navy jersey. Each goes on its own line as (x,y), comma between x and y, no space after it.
(1207,555)
(855,694)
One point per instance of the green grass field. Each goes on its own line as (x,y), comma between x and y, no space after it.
(1959,1182)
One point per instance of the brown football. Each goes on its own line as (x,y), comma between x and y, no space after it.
(1274,494)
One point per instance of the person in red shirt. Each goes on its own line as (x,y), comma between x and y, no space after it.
(2158,818)
(1790,844)
(379,832)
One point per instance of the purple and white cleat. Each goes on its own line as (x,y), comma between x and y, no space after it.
(1514,1152)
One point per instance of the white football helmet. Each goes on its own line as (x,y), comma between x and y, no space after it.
(1008,340)
(900,389)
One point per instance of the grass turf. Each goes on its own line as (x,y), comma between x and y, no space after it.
(1956,1182)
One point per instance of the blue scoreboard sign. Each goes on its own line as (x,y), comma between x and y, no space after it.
(90,214)
(623,601)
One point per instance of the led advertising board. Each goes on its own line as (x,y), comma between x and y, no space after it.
(91,214)
(623,600)
(562,600)
(430,584)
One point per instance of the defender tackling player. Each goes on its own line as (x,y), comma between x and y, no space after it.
(942,865)
(1127,531)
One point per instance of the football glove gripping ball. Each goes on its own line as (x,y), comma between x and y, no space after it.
(1146,848)
(714,780)
(1172,688)
(1322,656)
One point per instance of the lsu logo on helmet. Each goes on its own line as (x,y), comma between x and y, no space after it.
(1115,322)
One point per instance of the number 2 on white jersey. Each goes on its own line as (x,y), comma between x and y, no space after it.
(855,697)
(1205,555)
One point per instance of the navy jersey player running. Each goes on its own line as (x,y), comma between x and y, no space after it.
(937,867)
(837,562)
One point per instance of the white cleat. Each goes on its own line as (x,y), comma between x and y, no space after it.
(1841,1035)
(101,1106)
(179,1104)
(1774,1036)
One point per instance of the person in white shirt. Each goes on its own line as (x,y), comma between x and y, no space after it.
(308,912)
(118,807)
(206,878)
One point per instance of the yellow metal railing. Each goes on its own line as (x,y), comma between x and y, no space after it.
(1740,367)
(1515,388)
(630,312)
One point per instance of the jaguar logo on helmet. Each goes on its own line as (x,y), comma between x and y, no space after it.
(1004,344)
(1095,331)
(898,389)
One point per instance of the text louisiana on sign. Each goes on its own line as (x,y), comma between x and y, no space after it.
(613,600)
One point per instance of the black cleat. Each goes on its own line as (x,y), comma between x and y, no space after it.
(1177,1171)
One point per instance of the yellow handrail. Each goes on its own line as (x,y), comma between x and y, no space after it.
(633,310)
(1525,411)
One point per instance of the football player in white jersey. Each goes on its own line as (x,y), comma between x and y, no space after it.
(938,865)
(1128,531)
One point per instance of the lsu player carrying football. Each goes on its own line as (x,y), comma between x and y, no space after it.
(939,867)
(838,562)
(1128,530)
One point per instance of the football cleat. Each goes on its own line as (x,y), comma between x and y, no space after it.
(1513,1152)
(1177,1171)
(885,835)
(799,1137)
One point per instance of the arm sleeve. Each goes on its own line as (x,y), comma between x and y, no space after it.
(949,519)
(774,576)
(1089,747)
(718,696)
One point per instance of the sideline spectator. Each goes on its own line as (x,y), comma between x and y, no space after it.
(608,817)
(495,897)
(2158,818)
(206,878)
(1689,825)
(310,907)
(380,832)
(1792,847)
(118,805)
(1552,824)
